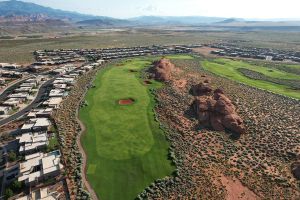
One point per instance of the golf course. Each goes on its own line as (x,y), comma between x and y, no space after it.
(271,79)
(126,149)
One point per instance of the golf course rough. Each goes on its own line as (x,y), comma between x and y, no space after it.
(229,68)
(126,150)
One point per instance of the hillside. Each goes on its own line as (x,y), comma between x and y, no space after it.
(105,21)
(22,11)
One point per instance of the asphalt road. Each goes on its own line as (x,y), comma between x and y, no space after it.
(35,103)
(10,89)
(32,105)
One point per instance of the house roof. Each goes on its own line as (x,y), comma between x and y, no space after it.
(36,122)
(49,163)
(30,141)
(54,101)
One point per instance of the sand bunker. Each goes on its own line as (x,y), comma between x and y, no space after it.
(128,101)
(147,82)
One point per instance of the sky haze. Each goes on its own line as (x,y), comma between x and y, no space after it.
(253,9)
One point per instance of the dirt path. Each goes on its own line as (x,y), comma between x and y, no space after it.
(236,190)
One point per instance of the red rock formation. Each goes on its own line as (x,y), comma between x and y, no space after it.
(162,69)
(201,89)
(296,169)
(216,111)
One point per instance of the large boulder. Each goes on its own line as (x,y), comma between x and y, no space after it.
(162,69)
(216,111)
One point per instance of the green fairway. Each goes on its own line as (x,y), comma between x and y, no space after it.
(229,69)
(126,149)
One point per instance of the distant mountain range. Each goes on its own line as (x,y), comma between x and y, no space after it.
(18,11)
(189,20)
(15,12)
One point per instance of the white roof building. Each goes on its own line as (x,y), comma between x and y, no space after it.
(30,142)
(88,67)
(29,84)
(56,93)
(4,110)
(9,65)
(59,71)
(13,102)
(43,112)
(72,75)
(60,86)
(68,81)
(32,80)
(41,194)
(23,89)
(19,96)
(100,61)
(36,124)
(53,102)
(40,166)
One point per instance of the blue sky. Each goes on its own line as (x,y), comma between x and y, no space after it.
(220,8)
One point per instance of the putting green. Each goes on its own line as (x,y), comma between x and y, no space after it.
(229,69)
(126,149)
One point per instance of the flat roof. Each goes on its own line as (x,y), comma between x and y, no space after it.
(54,101)
(41,121)
(3,108)
(49,163)
(30,141)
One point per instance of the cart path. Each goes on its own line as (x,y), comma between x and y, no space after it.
(84,156)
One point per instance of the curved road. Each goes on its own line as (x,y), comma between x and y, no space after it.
(7,91)
(32,105)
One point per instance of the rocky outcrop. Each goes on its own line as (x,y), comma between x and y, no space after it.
(216,110)
(201,89)
(162,69)
(296,170)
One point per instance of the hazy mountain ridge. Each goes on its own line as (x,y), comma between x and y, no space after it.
(188,20)
(17,16)
(10,10)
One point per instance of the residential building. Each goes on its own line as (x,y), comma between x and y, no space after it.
(41,194)
(31,142)
(23,89)
(39,166)
(36,125)
(56,93)
(60,86)
(4,110)
(40,113)
(53,102)
(22,96)
(12,102)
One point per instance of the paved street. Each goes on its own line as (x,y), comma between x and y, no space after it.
(32,105)
(11,88)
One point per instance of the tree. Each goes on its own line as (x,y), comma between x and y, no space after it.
(16,186)
(8,193)
(12,156)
